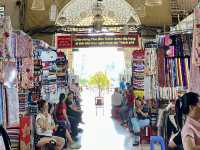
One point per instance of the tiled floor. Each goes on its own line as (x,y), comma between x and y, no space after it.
(102,132)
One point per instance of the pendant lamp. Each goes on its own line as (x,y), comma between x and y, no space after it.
(38,5)
(153,2)
(53,11)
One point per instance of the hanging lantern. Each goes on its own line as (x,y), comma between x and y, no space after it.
(153,2)
(53,11)
(38,5)
(98,22)
(62,20)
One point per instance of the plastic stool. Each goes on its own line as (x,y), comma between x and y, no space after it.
(155,139)
(145,134)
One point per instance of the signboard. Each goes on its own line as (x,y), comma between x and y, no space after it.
(64,41)
(82,41)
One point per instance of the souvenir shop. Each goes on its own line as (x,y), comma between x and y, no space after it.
(168,65)
(30,70)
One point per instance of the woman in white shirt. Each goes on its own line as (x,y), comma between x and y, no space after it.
(45,126)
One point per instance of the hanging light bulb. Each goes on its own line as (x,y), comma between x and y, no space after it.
(53,11)
(98,22)
(153,2)
(38,5)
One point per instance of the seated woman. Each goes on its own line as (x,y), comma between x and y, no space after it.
(62,120)
(139,121)
(45,126)
(74,113)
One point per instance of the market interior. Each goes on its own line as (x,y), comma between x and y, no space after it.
(99,74)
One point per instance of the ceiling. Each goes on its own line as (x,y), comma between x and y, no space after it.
(114,12)
(155,16)
(160,16)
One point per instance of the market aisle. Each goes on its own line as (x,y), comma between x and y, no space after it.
(102,132)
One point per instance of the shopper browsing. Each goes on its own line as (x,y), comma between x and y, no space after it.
(189,106)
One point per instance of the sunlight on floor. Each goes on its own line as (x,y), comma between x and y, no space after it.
(101,132)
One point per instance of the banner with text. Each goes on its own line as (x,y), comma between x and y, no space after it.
(83,41)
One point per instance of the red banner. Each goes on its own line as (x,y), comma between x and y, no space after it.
(64,41)
(84,41)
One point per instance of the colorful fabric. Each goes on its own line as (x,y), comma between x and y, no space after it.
(9,73)
(27,73)
(12,107)
(196,38)
(161,67)
(1,105)
(24,46)
(24,133)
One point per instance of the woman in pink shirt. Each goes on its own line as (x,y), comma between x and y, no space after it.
(190,106)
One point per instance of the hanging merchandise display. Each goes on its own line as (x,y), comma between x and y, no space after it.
(17,77)
(150,70)
(24,133)
(27,73)
(53,71)
(24,45)
(9,73)
(195,60)
(12,107)
(138,72)
(174,63)
(62,67)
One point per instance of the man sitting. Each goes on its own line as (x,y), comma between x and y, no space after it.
(139,120)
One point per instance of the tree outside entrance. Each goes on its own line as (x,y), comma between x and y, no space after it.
(99,80)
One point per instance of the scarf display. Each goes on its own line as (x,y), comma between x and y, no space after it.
(138,71)
(161,66)
(174,64)
(24,133)
(24,45)
(12,106)
(1,105)
(196,38)
(150,71)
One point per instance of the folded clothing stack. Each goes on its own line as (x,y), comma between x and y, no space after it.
(23,101)
(13,134)
(62,64)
